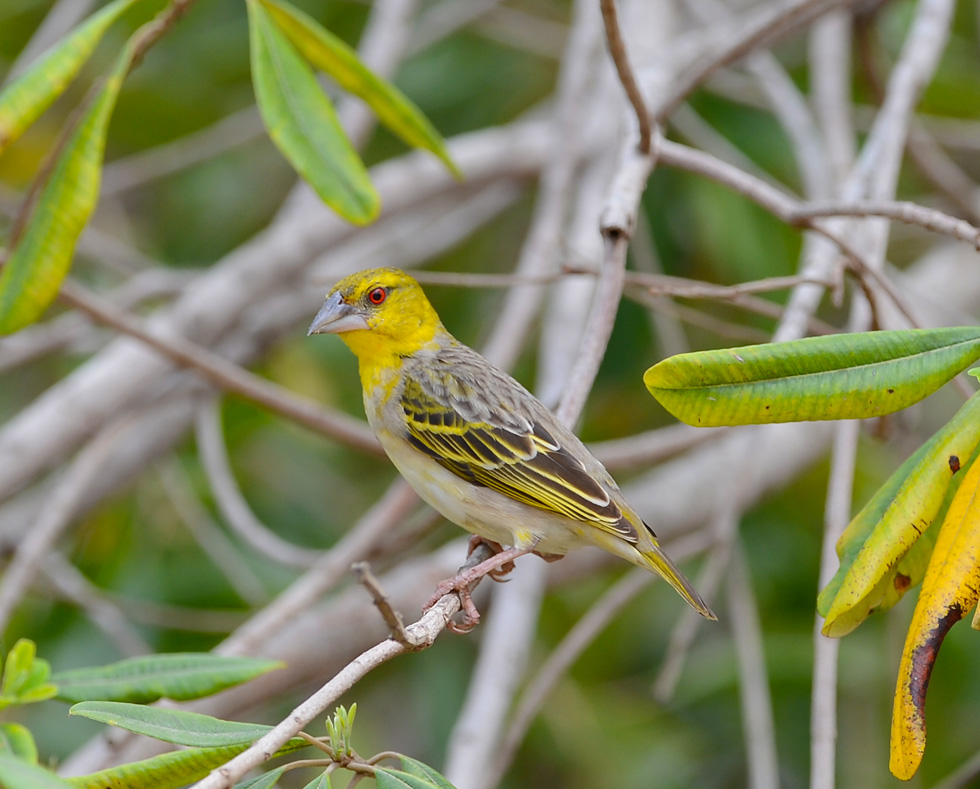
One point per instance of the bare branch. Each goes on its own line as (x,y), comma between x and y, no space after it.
(362,572)
(617,50)
(227,375)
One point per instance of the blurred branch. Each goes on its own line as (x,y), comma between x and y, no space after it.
(226,374)
(763,25)
(757,717)
(724,528)
(823,704)
(68,582)
(62,17)
(55,517)
(214,543)
(372,529)
(234,508)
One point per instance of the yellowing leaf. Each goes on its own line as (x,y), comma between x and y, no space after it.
(41,256)
(332,56)
(302,122)
(24,99)
(878,562)
(949,591)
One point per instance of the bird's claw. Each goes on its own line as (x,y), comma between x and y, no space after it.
(461,586)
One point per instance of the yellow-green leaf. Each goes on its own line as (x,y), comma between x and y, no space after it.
(846,376)
(41,256)
(166,771)
(16,773)
(949,591)
(24,99)
(18,741)
(178,676)
(331,55)
(302,123)
(878,561)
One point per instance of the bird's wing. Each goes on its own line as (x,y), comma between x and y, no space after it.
(470,428)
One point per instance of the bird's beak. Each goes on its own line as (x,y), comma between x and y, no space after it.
(337,316)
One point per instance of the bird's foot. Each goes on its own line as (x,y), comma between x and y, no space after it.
(463,582)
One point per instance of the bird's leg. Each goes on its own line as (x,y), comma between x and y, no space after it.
(462,582)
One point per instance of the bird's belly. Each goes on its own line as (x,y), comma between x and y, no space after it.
(482,510)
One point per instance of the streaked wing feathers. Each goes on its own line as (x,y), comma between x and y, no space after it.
(507,453)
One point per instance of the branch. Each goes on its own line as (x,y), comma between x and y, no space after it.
(620,58)
(227,375)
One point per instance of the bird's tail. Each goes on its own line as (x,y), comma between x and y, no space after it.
(658,561)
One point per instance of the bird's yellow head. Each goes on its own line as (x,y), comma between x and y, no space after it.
(380,313)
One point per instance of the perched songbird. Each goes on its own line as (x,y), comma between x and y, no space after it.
(473,442)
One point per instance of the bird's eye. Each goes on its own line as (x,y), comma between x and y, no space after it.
(378,295)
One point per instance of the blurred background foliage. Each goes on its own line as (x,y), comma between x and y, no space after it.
(601,727)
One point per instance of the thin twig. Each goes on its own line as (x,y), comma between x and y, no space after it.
(226,374)
(617,51)
(901,211)
(396,625)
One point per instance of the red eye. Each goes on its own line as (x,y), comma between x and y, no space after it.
(377,296)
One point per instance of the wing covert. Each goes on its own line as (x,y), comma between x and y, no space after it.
(506,452)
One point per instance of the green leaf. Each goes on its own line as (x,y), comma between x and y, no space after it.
(848,376)
(322,781)
(421,770)
(302,122)
(166,771)
(24,99)
(387,778)
(17,740)
(40,258)
(886,547)
(264,781)
(17,667)
(178,676)
(331,55)
(18,774)
(177,726)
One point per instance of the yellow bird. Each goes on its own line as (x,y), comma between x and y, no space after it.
(474,443)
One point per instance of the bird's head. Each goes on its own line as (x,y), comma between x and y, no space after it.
(377,312)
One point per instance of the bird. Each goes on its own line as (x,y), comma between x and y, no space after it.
(475,444)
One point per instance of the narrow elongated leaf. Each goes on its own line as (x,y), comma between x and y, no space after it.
(422,770)
(387,778)
(847,376)
(176,726)
(331,55)
(949,590)
(178,676)
(17,740)
(301,121)
(166,771)
(264,781)
(18,774)
(878,561)
(41,256)
(24,99)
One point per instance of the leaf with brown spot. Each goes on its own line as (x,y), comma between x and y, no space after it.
(949,590)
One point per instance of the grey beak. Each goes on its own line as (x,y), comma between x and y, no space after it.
(337,316)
